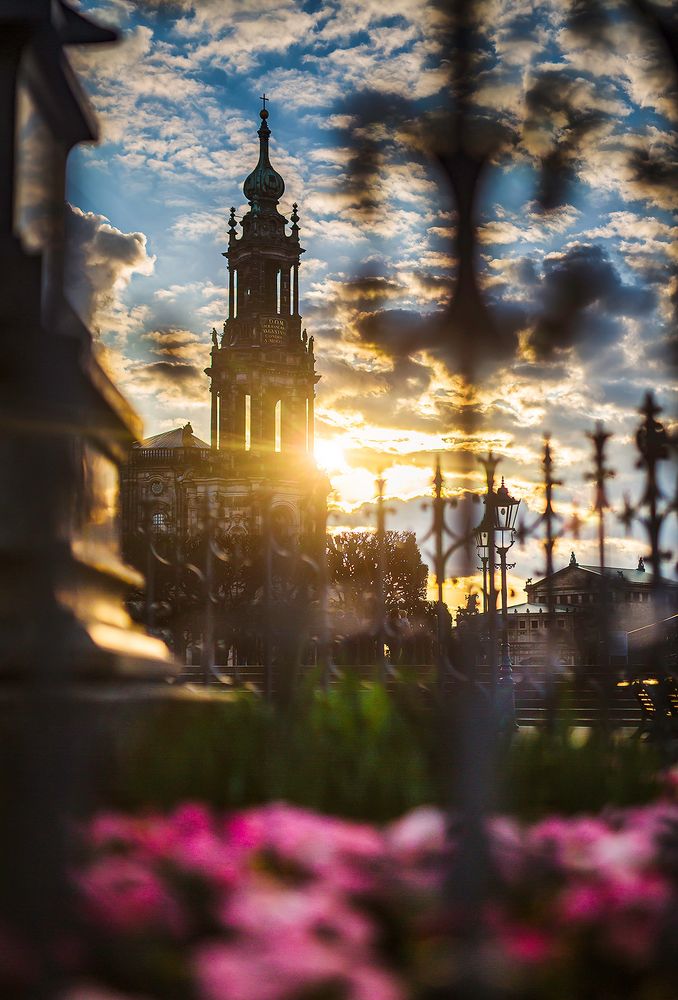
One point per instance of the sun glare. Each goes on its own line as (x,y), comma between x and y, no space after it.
(330,455)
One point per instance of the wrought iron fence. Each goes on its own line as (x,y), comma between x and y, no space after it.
(284,619)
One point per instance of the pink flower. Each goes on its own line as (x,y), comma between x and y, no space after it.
(246,971)
(422,831)
(343,853)
(416,845)
(125,895)
(197,845)
(583,903)
(150,835)
(507,848)
(108,828)
(570,843)
(526,945)
(267,909)
(235,972)
(367,982)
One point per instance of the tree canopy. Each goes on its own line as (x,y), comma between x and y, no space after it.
(352,563)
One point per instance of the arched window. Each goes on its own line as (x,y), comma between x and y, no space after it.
(159,522)
(278,426)
(282,524)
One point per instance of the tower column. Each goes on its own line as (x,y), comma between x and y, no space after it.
(231,293)
(224,422)
(269,397)
(214,417)
(295,292)
(256,416)
(311,422)
(285,290)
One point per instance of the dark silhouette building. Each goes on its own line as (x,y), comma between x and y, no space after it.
(262,384)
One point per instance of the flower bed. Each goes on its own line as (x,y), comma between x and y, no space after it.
(276,903)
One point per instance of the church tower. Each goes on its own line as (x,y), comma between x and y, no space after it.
(263,368)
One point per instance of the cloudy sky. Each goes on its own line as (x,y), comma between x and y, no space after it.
(579,284)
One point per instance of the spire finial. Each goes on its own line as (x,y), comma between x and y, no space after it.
(231,225)
(264,187)
(295,218)
(263,114)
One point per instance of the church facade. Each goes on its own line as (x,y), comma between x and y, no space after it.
(262,382)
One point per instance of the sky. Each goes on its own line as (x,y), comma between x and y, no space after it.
(582,295)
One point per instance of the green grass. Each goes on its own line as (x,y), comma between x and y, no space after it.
(360,751)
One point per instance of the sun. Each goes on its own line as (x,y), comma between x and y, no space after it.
(330,455)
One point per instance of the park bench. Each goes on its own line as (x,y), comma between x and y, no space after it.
(658,701)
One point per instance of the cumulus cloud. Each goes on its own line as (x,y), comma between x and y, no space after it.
(171,368)
(378,295)
(583,299)
(175,382)
(101,262)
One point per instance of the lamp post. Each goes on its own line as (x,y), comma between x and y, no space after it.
(482,538)
(505,511)
(505,514)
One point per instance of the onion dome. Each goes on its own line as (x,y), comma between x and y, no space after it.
(264,186)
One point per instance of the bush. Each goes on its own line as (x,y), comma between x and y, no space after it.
(361,751)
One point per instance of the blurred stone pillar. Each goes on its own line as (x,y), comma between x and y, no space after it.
(69,655)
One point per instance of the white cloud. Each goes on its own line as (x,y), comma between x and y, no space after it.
(101,263)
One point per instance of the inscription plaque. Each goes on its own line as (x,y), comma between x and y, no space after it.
(274,331)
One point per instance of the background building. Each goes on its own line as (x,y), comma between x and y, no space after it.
(262,383)
(622,608)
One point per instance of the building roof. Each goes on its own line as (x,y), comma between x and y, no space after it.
(623,573)
(641,575)
(535,609)
(528,608)
(180,437)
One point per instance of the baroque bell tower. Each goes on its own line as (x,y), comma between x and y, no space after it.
(263,368)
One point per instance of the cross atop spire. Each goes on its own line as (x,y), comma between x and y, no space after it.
(264,99)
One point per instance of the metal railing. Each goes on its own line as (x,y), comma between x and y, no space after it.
(290,618)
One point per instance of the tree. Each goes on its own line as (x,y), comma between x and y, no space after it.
(353,560)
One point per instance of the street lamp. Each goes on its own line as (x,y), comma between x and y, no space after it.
(505,514)
(482,538)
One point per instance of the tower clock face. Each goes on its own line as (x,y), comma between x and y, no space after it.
(156,488)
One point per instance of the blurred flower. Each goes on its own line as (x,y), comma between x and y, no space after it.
(278,903)
(125,895)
